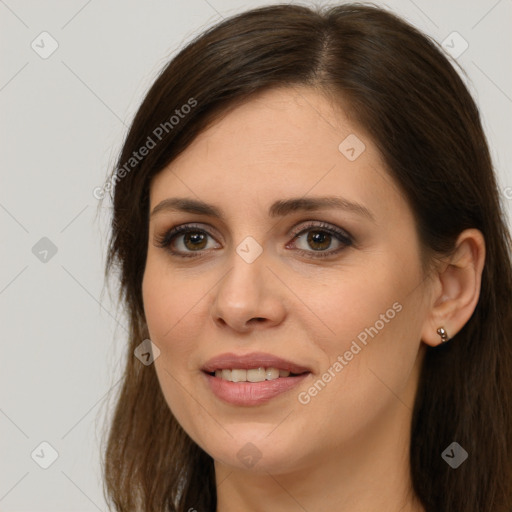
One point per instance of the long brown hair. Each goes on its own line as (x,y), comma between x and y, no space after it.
(408,96)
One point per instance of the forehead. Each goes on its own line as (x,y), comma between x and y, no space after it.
(282,142)
(289,122)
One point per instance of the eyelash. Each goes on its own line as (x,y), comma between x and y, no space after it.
(164,241)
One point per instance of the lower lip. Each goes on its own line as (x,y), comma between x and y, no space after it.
(251,393)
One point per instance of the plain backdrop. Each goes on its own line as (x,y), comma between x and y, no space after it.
(63,119)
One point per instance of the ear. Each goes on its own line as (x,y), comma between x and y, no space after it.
(456,287)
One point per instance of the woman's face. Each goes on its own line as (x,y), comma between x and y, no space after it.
(346,301)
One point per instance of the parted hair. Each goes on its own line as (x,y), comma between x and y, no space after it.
(402,89)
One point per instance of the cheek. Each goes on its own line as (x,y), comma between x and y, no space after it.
(375,320)
(169,303)
(174,307)
(363,305)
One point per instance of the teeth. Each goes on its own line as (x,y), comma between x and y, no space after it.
(272,373)
(258,375)
(252,375)
(238,375)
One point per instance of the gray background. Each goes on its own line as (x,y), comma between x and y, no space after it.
(63,119)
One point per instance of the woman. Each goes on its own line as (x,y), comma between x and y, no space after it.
(318,277)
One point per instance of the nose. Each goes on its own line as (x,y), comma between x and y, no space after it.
(249,296)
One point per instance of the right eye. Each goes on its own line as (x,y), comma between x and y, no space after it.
(188,237)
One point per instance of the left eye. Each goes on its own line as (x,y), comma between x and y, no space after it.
(320,238)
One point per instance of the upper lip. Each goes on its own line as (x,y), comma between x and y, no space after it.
(253,360)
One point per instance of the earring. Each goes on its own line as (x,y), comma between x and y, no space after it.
(444,336)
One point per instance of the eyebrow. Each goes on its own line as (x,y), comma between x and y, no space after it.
(279,208)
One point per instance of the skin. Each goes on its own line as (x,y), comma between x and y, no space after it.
(346,449)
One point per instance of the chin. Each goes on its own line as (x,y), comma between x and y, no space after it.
(257,455)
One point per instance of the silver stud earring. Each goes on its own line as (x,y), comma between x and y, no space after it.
(444,335)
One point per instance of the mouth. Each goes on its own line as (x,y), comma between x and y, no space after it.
(252,379)
(253,367)
(253,374)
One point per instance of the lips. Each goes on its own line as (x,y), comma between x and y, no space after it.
(252,393)
(250,361)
